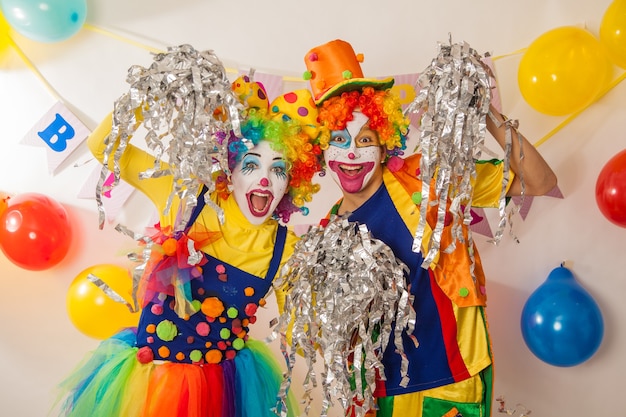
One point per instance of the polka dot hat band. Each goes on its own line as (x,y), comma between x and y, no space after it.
(297,105)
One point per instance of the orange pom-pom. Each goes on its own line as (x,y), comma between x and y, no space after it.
(169,246)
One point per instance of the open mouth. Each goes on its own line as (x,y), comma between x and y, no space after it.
(259,202)
(350,170)
(352,177)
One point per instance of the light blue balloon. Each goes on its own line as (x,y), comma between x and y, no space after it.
(45,20)
(561,323)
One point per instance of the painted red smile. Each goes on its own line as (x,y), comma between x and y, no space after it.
(259,202)
(351,176)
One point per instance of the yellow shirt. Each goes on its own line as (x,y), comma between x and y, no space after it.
(244,245)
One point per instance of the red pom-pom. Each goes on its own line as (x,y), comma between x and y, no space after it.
(145,355)
(394,164)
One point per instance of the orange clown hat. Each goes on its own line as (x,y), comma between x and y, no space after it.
(334,68)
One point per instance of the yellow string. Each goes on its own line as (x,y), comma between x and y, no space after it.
(115,36)
(576,113)
(519,51)
(33,68)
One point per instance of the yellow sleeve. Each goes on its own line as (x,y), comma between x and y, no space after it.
(488,183)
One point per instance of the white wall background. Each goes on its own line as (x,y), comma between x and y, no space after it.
(39,345)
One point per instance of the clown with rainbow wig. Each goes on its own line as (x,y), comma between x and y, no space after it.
(223,176)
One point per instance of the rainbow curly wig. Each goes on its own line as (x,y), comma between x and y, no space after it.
(301,153)
(380,106)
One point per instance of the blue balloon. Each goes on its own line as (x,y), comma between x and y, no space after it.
(45,20)
(561,323)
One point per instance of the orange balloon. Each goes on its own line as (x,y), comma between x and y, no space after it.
(563,70)
(95,313)
(613,32)
(4,201)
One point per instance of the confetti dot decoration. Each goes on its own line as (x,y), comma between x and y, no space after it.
(238,344)
(164,352)
(251,309)
(232,312)
(195,355)
(166,330)
(203,329)
(213,356)
(212,307)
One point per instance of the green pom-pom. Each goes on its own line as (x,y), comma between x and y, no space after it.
(347,75)
(416,197)
(166,330)
(307,75)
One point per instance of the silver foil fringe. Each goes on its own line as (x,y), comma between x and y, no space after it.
(343,286)
(185,107)
(453,96)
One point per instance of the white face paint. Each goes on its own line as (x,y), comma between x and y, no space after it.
(259,182)
(354,155)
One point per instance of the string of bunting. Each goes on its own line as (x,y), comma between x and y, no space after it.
(148,48)
(275,85)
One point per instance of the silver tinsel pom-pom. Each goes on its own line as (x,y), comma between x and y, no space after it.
(344,291)
(185,105)
(454,95)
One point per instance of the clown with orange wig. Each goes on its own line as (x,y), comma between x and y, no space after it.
(435,360)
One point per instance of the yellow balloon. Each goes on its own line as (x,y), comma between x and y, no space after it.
(95,313)
(563,70)
(613,32)
(4,34)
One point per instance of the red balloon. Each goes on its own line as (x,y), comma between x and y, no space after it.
(35,232)
(611,189)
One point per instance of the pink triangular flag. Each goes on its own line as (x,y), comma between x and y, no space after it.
(113,199)
(60,132)
(479,223)
(525,205)
(555,192)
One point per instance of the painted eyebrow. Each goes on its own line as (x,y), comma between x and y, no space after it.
(258,155)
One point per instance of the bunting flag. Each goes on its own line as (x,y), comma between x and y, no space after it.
(528,201)
(404,86)
(273,84)
(112,200)
(60,132)
(479,223)
(555,192)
